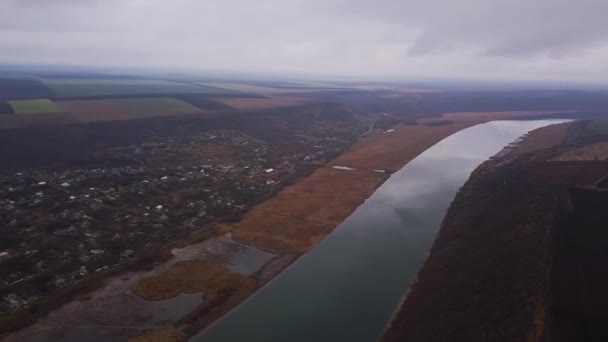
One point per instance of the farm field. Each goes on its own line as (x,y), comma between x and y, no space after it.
(20,88)
(156,105)
(202,101)
(261,89)
(35,119)
(265,103)
(124,109)
(598,125)
(35,106)
(99,87)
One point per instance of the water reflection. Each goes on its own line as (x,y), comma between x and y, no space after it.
(347,287)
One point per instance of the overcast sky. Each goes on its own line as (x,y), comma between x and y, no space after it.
(407,39)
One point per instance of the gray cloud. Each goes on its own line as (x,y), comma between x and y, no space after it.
(495,27)
(540,39)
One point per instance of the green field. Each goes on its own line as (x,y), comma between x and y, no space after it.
(35,106)
(158,105)
(99,87)
(598,125)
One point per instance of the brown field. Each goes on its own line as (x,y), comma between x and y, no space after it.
(125,109)
(192,276)
(35,119)
(269,102)
(545,137)
(488,116)
(95,110)
(163,335)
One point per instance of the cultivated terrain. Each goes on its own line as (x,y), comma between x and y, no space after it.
(134,205)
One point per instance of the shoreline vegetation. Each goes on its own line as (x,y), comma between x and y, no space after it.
(293,221)
(490,272)
(299,216)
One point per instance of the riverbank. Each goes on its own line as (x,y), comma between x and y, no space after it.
(489,275)
(299,216)
(295,220)
(356,276)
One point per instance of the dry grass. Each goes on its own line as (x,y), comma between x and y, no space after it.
(597,151)
(301,215)
(191,277)
(391,151)
(544,137)
(489,116)
(163,335)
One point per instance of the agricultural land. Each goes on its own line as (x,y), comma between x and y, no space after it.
(121,195)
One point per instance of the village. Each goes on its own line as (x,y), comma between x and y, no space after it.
(58,227)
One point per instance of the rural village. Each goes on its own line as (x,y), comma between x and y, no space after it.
(60,226)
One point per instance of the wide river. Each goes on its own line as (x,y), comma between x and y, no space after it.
(347,288)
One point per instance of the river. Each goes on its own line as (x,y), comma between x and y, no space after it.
(347,287)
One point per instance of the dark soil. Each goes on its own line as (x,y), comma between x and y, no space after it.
(579,297)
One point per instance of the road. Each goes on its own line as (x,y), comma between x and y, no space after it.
(371,127)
